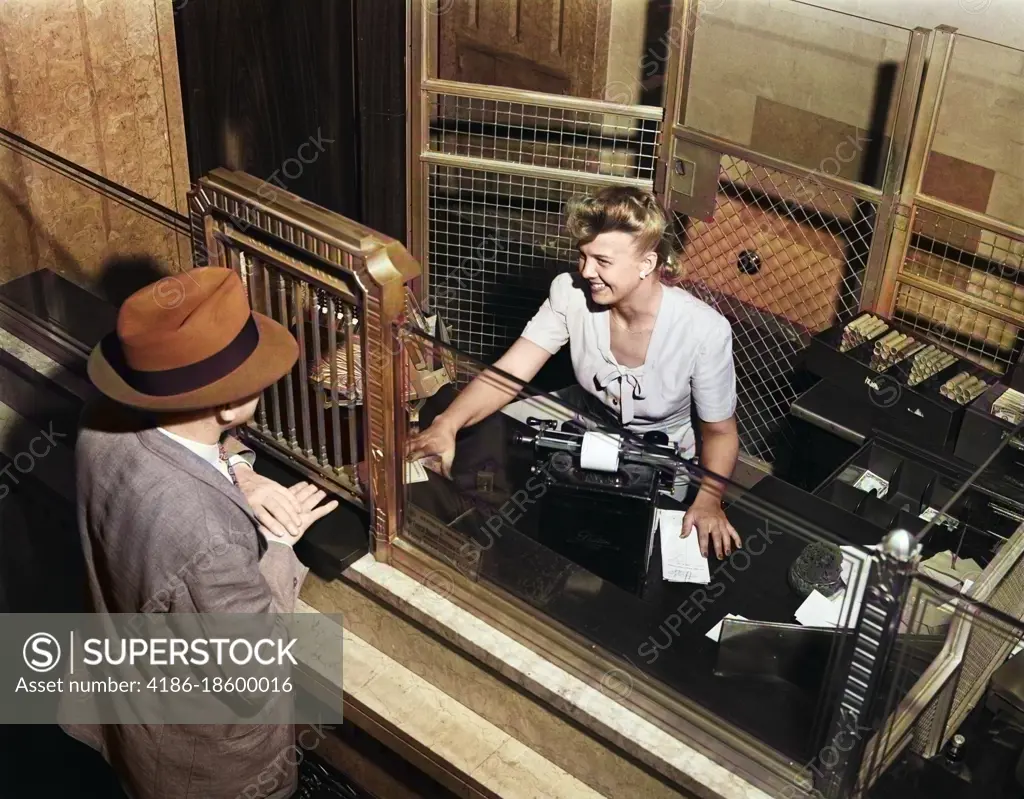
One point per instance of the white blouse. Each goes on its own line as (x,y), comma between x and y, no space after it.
(690,354)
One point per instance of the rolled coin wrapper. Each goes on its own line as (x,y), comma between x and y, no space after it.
(600,452)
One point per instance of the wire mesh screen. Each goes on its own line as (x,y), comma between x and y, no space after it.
(496,236)
(783,258)
(974,262)
(496,242)
(559,138)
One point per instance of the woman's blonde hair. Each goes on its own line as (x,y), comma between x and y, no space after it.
(630,210)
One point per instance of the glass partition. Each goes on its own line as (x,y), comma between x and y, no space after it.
(955,722)
(951,717)
(897,652)
(814,87)
(596,552)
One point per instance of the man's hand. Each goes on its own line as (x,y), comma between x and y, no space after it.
(309,498)
(277,509)
(707,516)
(284,513)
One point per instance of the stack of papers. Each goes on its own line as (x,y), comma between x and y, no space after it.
(681,561)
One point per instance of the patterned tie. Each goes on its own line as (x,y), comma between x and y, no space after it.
(227,463)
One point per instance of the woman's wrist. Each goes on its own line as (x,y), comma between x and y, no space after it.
(708,496)
(445,422)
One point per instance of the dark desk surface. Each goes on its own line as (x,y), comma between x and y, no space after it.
(662,632)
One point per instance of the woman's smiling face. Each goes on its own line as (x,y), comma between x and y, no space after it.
(612,267)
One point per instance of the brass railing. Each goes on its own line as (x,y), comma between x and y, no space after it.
(340,288)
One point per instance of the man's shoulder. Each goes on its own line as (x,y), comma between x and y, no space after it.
(119,460)
(105,425)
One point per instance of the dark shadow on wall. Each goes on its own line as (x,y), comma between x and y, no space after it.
(41,560)
(123,275)
(875,156)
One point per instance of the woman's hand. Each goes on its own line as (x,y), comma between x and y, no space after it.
(707,516)
(438,440)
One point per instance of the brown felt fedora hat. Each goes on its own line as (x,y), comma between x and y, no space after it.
(191,342)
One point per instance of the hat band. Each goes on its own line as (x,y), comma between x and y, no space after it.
(182,379)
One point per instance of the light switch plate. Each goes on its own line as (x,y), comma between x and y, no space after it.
(693,179)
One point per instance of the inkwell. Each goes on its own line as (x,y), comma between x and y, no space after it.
(818,568)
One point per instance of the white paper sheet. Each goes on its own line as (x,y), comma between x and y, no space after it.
(820,611)
(681,561)
(415,473)
(715,633)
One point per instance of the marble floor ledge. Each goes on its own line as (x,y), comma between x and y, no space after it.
(430,720)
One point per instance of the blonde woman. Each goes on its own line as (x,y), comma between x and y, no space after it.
(641,347)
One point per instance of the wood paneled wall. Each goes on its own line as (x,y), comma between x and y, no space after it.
(96,83)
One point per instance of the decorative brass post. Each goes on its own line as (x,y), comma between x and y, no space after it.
(837,766)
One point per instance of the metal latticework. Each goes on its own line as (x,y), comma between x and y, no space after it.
(782,258)
(557,138)
(499,175)
(979,273)
(496,242)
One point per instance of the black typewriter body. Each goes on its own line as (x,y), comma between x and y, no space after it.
(602,521)
(633,479)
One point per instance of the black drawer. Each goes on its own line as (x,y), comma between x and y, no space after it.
(918,414)
(916,486)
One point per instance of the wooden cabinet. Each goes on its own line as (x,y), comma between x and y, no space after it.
(554,46)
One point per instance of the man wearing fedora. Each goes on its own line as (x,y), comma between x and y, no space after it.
(173,519)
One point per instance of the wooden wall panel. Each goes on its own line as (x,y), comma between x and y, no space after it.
(554,46)
(86,80)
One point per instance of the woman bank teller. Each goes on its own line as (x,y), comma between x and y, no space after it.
(641,347)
